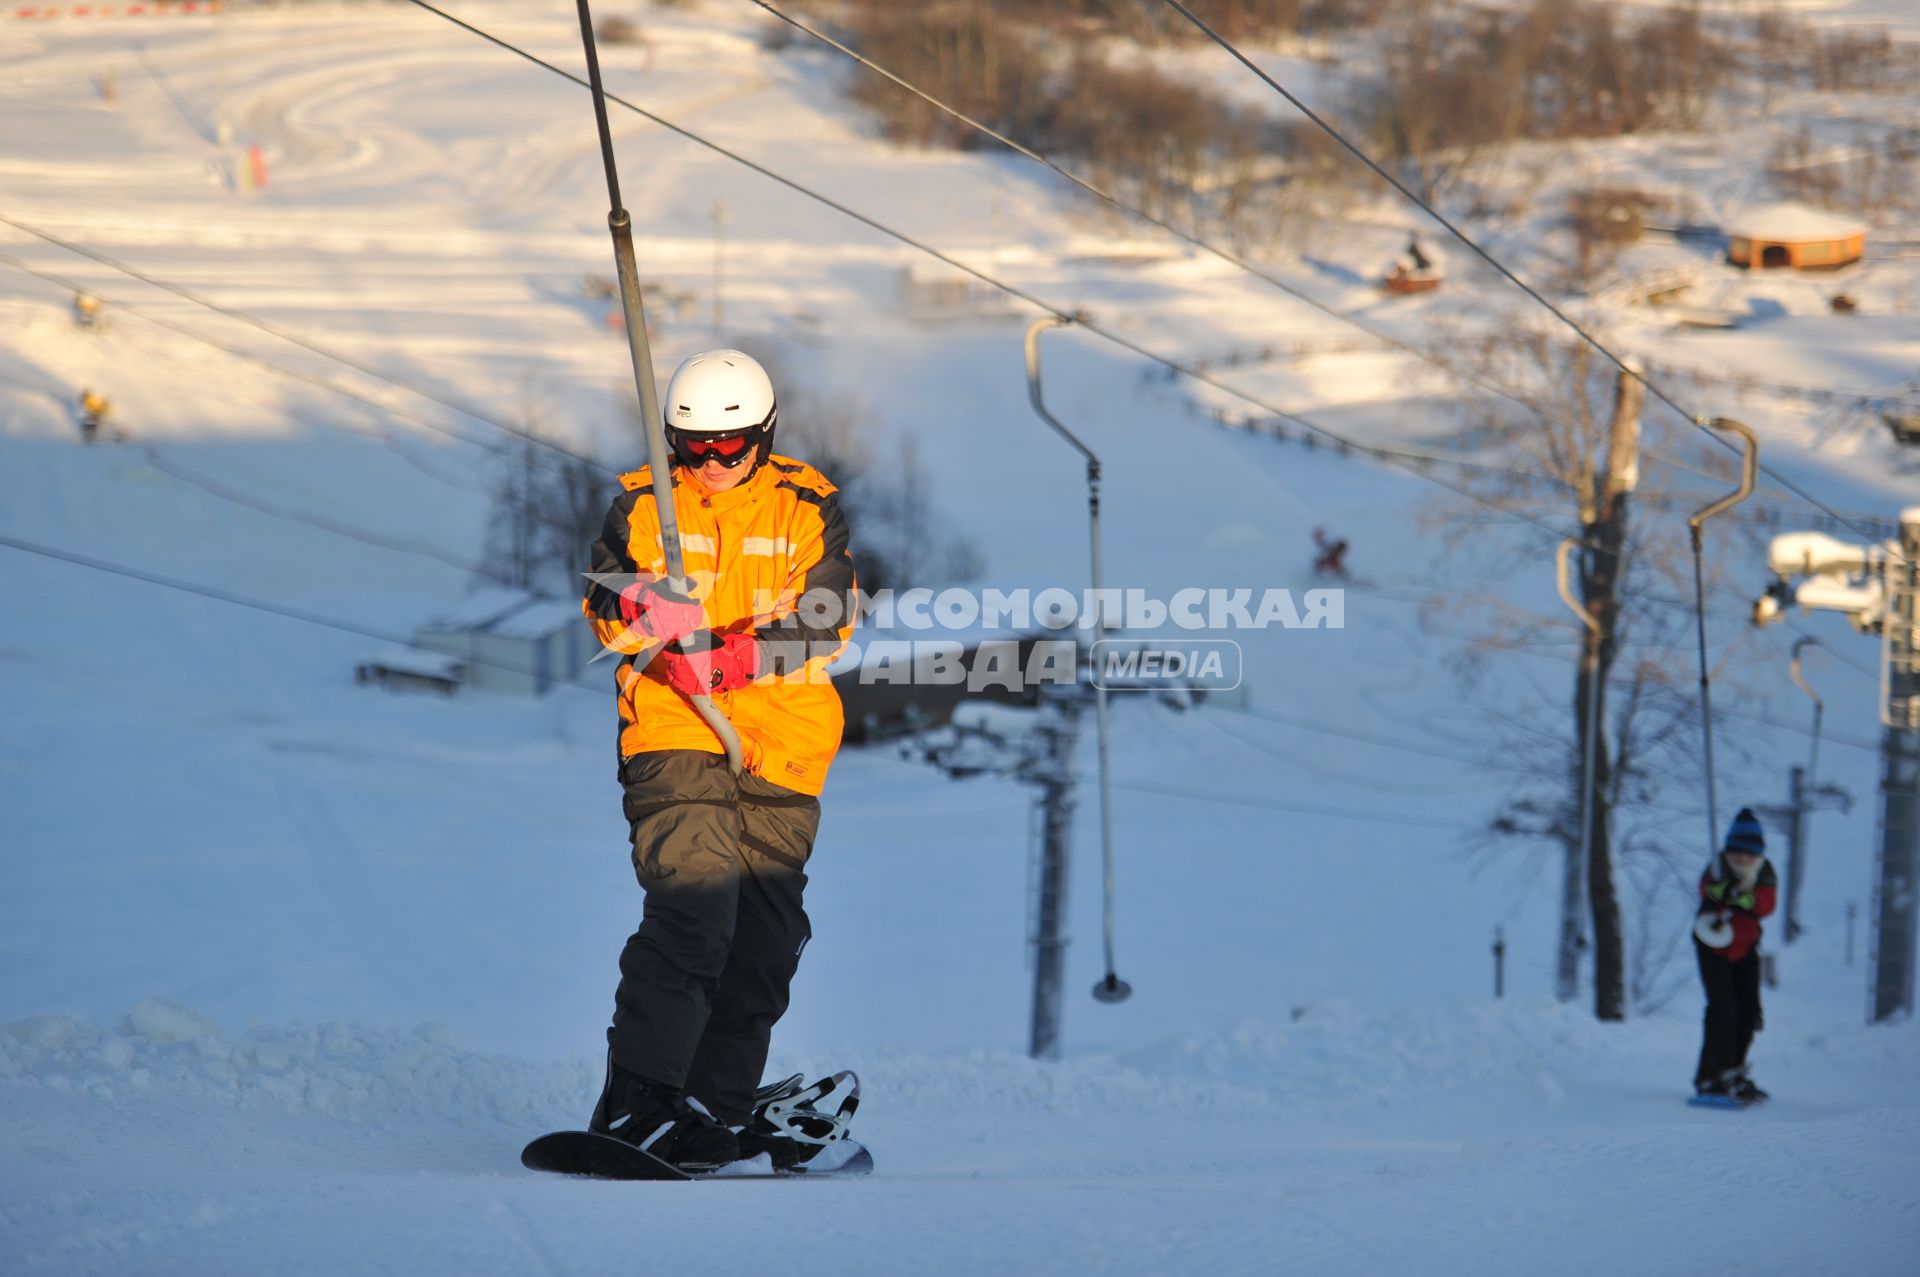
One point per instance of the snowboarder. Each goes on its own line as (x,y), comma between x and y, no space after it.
(93,411)
(1736,891)
(1332,557)
(720,858)
(86,310)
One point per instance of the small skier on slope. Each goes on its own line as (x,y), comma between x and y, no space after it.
(1736,891)
(1330,558)
(94,411)
(720,858)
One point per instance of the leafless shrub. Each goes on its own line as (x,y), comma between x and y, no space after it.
(1238,20)
(1458,82)
(898,539)
(1155,137)
(545,509)
(1139,127)
(618,30)
(1873,175)
(963,54)
(1793,51)
(775,36)
(1262,20)
(1605,220)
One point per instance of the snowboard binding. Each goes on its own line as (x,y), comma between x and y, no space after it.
(793,1109)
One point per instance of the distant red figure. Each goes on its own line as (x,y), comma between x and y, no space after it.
(1332,557)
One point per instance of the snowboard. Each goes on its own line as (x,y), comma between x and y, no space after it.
(1720,1102)
(595,1156)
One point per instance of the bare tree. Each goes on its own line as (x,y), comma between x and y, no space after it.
(1575,451)
(545,507)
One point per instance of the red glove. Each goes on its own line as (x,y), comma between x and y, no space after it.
(657,612)
(733,663)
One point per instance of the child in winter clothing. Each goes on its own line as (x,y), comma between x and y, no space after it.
(1736,891)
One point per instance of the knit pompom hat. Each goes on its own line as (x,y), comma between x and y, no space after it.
(1744,834)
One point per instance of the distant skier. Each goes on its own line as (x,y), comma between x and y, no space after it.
(94,410)
(1736,891)
(86,309)
(1331,559)
(720,858)
(1416,257)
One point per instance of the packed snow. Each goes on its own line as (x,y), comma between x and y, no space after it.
(291,968)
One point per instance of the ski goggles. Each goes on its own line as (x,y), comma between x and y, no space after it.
(729,449)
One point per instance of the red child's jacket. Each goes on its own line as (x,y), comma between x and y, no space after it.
(1720,890)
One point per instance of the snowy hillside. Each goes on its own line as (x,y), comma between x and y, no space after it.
(290,968)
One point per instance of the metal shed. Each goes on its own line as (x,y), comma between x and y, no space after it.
(511,642)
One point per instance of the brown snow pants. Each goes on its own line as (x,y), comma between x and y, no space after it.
(722,862)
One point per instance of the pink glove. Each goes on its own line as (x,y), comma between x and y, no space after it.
(657,612)
(732,664)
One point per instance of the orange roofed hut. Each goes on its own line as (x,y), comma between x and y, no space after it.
(1796,236)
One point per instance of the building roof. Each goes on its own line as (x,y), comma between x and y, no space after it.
(539,618)
(508,613)
(1792,224)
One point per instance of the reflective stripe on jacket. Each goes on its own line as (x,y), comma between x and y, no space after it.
(768,557)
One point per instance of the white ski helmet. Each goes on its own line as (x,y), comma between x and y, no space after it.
(719,391)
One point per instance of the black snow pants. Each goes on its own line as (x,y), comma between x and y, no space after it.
(1733,1010)
(703,980)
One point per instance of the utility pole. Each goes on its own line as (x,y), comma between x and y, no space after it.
(1039,753)
(721,216)
(1898,881)
(222,122)
(1804,797)
(1056,730)
(1876,588)
(1795,817)
(1800,780)
(1796,847)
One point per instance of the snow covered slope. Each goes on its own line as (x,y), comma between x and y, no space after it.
(289,969)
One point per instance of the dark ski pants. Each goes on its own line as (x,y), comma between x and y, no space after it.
(705,977)
(1733,1010)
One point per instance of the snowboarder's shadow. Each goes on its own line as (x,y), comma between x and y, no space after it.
(197,121)
(1340,273)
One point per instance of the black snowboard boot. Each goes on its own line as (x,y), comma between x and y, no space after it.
(660,1120)
(757,1137)
(1742,1088)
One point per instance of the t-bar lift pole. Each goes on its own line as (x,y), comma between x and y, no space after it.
(634,311)
(1111,987)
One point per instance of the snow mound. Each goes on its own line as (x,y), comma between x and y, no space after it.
(1323,1060)
(342,1070)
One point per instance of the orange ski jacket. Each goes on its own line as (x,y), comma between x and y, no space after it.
(770,558)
